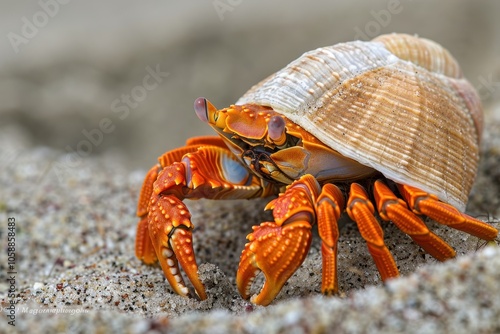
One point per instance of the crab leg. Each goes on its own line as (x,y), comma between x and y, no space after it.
(429,205)
(278,248)
(204,168)
(361,210)
(144,249)
(330,205)
(395,209)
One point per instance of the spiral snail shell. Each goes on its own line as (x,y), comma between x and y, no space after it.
(398,104)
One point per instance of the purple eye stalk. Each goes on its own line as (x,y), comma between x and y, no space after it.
(276,130)
(200,107)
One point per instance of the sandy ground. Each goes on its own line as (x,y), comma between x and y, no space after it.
(74,253)
(75,214)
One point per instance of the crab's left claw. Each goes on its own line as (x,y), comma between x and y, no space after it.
(277,251)
(278,248)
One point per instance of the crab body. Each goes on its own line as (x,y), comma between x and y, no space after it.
(394,114)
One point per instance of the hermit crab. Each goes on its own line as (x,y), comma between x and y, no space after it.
(385,129)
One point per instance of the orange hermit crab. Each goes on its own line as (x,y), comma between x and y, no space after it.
(394,116)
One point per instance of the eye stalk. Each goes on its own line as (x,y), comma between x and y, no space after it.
(200,107)
(276,130)
(206,111)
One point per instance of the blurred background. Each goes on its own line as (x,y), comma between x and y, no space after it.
(120,76)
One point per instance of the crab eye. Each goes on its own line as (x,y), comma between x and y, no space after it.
(276,129)
(200,107)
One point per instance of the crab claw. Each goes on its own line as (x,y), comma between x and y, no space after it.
(275,250)
(170,230)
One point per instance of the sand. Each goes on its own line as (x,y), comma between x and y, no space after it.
(74,252)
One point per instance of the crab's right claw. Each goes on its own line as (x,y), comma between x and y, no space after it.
(277,251)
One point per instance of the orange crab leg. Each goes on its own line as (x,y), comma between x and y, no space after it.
(330,204)
(395,209)
(204,168)
(144,249)
(361,210)
(423,203)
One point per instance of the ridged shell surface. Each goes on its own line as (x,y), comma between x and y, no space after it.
(398,104)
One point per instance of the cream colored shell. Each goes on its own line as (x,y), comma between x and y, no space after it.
(398,104)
